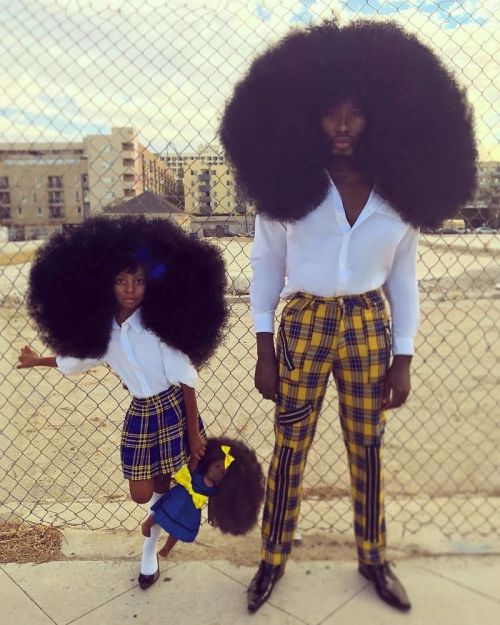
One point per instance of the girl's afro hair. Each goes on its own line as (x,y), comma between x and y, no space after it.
(71,295)
(234,509)
(418,144)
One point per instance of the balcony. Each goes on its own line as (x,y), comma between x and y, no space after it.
(55,182)
(56,212)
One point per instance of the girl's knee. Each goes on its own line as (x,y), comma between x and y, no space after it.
(141,490)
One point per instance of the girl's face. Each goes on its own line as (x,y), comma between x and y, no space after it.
(129,290)
(216,470)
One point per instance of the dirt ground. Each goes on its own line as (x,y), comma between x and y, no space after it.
(59,460)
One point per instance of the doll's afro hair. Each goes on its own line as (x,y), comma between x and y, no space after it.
(71,286)
(235,508)
(418,145)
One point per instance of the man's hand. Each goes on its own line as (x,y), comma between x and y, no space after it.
(397,383)
(266,371)
(27,358)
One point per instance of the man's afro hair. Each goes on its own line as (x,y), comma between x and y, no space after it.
(418,145)
(71,295)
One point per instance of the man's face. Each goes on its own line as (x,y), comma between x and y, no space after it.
(343,124)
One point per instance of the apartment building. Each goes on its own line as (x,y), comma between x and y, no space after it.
(44,187)
(208,183)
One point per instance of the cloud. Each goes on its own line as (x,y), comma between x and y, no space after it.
(70,67)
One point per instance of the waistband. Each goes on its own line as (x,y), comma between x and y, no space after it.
(162,396)
(370,299)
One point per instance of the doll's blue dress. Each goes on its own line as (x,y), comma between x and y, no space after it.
(176,511)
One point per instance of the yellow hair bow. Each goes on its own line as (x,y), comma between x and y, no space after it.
(228,458)
(184,478)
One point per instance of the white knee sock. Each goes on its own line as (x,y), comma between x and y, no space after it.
(149,562)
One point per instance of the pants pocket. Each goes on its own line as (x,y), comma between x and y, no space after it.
(297,415)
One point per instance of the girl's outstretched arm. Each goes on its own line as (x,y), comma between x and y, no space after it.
(196,442)
(29,358)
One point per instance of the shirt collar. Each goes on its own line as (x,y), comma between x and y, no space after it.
(134,322)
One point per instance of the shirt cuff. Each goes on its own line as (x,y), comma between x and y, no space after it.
(402,345)
(264,322)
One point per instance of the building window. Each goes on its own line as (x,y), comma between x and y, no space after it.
(4,212)
(79,210)
(4,197)
(19,210)
(129,192)
(77,196)
(85,181)
(129,177)
(55,182)
(127,146)
(39,210)
(4,182)
(128,162)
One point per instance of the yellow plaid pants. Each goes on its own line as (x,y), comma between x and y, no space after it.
(350,338)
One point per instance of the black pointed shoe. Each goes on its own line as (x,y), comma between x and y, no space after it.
(387,585)
(262,585)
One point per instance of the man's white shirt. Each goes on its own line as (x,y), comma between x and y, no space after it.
(323,255)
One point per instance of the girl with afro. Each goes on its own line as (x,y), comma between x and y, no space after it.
(142,297)
(229,477)
(348,140)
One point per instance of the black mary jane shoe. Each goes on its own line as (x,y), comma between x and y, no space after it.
(262,585)
(145,581)
(387,585)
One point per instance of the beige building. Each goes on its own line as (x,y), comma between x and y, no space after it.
(209,186)
(46,186)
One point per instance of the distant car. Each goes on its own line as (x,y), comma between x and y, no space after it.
(447,230)
(484,230)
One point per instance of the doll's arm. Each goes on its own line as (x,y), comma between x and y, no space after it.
(29,358)
(196,442)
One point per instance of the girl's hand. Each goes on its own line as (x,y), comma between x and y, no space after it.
(197,445)
(27,358)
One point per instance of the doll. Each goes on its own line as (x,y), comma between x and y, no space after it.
(228,477)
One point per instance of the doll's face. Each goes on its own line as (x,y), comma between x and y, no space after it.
(216,470)
(343,124)
(129,290)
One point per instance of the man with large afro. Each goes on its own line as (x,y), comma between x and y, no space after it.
(348,140)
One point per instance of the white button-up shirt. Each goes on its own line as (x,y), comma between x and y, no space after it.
(323,255)
(144,363)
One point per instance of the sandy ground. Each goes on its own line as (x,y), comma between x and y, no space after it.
(59,460)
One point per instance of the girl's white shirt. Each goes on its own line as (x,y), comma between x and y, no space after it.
(144,363)
(323,255)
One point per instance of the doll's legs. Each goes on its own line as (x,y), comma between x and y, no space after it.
(168,546)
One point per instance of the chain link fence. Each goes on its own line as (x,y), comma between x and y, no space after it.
(114,107)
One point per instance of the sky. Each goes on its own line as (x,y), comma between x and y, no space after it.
(76,67)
